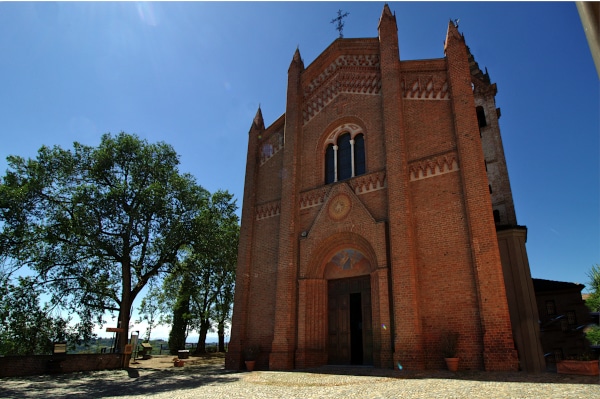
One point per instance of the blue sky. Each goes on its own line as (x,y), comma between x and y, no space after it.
(194,74)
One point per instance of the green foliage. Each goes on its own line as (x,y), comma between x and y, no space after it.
(593,335)
(181,315)
(449,343)
(150,308)
(97,223)
(201,291)
(251,352)
(593,302)
(26,328)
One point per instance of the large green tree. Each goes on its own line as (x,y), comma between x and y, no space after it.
(201,291)
(97,223)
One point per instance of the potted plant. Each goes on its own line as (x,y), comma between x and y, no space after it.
(177,362)
(250,355)
(583,364)
(449,349)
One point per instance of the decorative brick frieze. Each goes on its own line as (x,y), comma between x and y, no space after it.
(431,167)
(357,74)
(360,185)
(311,198)
(268,210)
(367,183)
(431,87)
(270,147)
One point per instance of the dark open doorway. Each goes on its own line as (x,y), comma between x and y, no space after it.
(356,333)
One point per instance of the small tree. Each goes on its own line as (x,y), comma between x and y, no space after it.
(201,289)
(593,303)
(150,309)
(181,299)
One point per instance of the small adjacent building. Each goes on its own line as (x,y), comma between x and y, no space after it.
(563,319)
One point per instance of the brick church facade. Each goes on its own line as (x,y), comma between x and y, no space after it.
(378,216)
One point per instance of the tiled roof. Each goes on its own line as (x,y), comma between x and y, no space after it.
(540,285)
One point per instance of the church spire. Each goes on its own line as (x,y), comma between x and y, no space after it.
(297,64)
(297,59)
(258,122)
(387,15)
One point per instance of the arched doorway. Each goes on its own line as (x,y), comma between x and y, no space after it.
(349,314)
(342,298)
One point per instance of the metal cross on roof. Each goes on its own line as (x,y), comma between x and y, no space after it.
(340,23)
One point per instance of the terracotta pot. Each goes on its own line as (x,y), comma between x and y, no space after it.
(250,364)
(452,363)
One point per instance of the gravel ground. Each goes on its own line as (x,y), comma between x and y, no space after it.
(207,379)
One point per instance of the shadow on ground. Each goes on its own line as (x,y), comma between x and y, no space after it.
(115,383)
(147,379)
(546,377)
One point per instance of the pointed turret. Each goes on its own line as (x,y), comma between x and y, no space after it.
(453,35)
(297,60)
(388,36)
(258,123)
(408,334)
(387,15)
(283,345)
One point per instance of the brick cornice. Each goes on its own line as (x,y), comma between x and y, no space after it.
(348,73)
(362,184)
(267,210)
(425,87)
(370,182)
(434,166)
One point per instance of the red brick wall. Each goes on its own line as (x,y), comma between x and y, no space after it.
(446,280)
(499,352)
(429,129)
(16,366)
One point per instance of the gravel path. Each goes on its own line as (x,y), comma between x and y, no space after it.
(211,381)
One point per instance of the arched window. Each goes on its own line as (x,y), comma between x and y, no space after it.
(359,155)
(329,164)
(346,159)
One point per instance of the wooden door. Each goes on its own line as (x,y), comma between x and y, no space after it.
(339,324)
(350,334)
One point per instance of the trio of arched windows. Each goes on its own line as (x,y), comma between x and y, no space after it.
(345,159)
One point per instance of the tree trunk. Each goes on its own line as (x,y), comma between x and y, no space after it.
(204,326)
(182,307)
(125,308)
(221,334)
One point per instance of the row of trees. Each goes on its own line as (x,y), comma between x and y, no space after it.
(95,226)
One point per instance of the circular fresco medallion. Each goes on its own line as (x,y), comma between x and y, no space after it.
(339,207)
